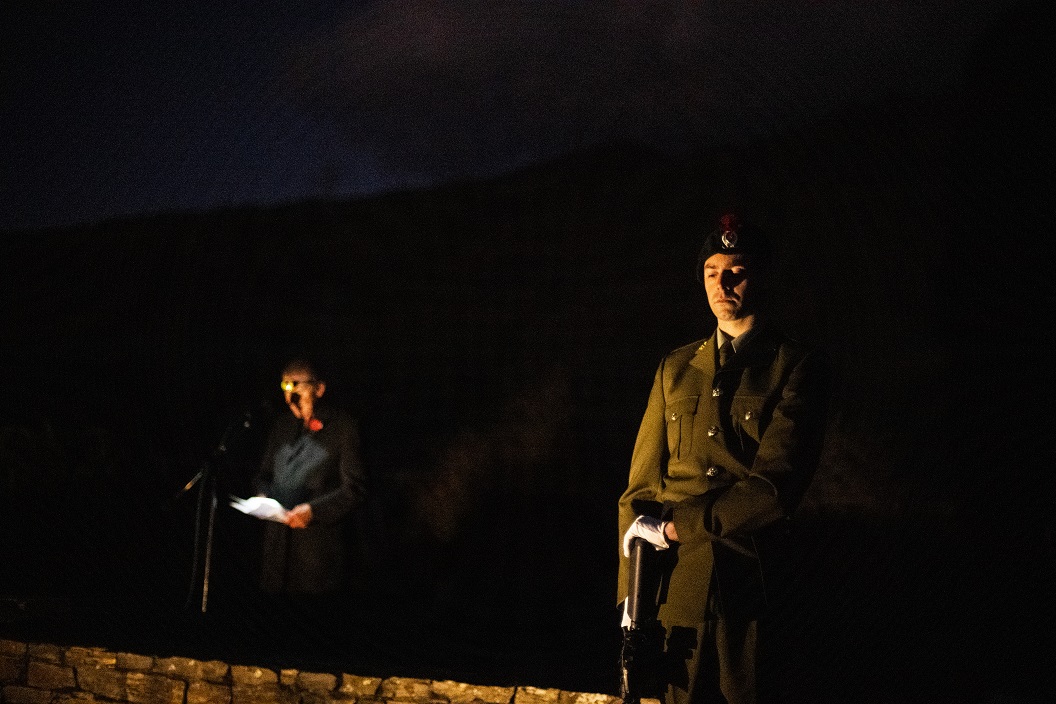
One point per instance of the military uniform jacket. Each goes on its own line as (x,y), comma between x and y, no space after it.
(727,453)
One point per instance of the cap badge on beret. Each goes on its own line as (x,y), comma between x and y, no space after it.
(733,237)
(729,226)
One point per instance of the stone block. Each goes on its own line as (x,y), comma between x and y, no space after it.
(90,657)
(146,688)
(261,694)
(534,695)
(318,682)
(46,652)
(320,698)
(208,693)
(591,698)
(131,661)
(288,677)
(73,698)
(215,671)
(11,669)
(102,681)
(460,693)
(14,694)
(252,676)
(44,675)
(184,668)
(404,689)
(359,687)
(13,648)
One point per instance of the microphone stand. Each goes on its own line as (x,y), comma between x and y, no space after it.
(206,480)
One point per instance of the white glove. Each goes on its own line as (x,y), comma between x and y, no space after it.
(651,529)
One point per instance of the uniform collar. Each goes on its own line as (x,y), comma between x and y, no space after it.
(752,348)
(738,342)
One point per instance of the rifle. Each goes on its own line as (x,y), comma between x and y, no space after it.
(643,639)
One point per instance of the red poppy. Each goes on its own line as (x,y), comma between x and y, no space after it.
(729,223)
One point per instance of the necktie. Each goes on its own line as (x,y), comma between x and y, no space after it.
(725,353)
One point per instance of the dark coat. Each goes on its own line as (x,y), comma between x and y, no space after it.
(728,455)
(323,469)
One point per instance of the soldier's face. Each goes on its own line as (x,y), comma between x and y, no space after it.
(728,285)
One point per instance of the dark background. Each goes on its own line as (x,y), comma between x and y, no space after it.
(497,337)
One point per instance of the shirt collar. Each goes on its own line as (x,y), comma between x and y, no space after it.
(737,342)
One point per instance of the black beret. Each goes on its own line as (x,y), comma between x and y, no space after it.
(734,237)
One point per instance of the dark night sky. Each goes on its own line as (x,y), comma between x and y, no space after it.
(127,108)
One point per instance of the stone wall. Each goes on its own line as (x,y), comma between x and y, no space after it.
(33,673)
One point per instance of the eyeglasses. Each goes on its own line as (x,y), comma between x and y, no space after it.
(291,385)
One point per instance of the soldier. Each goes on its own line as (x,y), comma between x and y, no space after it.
(727,446)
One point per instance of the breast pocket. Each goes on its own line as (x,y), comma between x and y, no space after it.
(680,414)
(747,412)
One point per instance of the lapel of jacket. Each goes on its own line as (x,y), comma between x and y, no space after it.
(704,359)
(759,351)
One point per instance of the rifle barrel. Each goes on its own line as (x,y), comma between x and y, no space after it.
(636,580)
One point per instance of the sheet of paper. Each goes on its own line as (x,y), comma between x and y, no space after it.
(261,507)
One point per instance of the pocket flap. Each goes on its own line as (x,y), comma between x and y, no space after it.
(681,407)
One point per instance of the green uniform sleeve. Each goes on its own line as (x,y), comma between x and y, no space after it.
(647,461)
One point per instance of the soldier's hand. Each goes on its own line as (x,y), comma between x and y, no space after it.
(648,528)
